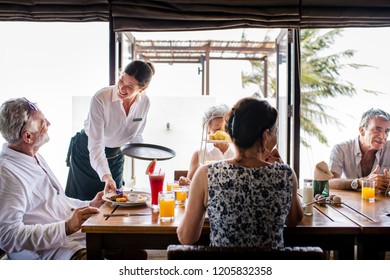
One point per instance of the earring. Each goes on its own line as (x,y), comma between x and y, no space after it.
(265,151)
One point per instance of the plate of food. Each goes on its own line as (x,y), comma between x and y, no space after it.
(127,199)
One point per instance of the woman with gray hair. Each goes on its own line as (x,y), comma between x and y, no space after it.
(213,118)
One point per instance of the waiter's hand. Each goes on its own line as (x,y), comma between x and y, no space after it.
(110,184)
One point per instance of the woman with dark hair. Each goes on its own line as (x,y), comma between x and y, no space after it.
(117,116)
(248,198)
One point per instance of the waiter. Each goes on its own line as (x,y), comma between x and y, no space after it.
(117,116)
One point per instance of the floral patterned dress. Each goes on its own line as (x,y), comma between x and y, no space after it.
(248,206)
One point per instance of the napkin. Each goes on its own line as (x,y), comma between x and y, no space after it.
(321,172)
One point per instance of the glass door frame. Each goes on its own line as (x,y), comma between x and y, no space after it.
(288,96)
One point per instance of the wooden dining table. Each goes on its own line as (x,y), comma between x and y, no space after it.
(138,232)
(327,228)
(371,217)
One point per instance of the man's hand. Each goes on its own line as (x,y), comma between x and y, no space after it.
(80,215)
(98,200)
(382,181)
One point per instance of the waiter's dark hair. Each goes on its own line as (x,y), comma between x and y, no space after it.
(142,71)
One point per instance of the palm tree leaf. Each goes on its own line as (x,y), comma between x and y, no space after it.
(320,78)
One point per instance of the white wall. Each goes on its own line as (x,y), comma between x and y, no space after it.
(48,63)
(184,114)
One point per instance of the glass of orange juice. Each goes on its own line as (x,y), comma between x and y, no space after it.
(181,195)
(167,206)
(368,190)
(172,185)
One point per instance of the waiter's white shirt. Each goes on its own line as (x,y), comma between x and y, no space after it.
(108,126)
(33,210)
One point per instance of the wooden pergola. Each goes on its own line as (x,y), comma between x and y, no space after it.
(201,51)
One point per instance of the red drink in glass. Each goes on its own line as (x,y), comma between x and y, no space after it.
(156,185)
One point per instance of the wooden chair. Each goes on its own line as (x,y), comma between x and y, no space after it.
(178,173)
(194,252)
(3,255)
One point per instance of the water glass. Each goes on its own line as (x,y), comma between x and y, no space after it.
(308,196)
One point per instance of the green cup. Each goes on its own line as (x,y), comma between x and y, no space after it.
(321,187)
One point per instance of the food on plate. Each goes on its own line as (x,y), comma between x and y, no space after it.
(151,167)
(121,199)
(115,196)
(130,198)
(142,198)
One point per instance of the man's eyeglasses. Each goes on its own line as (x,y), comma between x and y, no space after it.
(129,88)
(31,107)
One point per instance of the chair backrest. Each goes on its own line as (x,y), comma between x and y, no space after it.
(193,252)
(2,254)
(178,173)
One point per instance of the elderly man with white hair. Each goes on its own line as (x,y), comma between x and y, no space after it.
(37,219)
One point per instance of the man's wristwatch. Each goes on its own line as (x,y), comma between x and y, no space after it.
(355,184)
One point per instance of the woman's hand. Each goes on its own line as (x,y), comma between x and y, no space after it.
(274,156)
(184,181)
(110,184)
